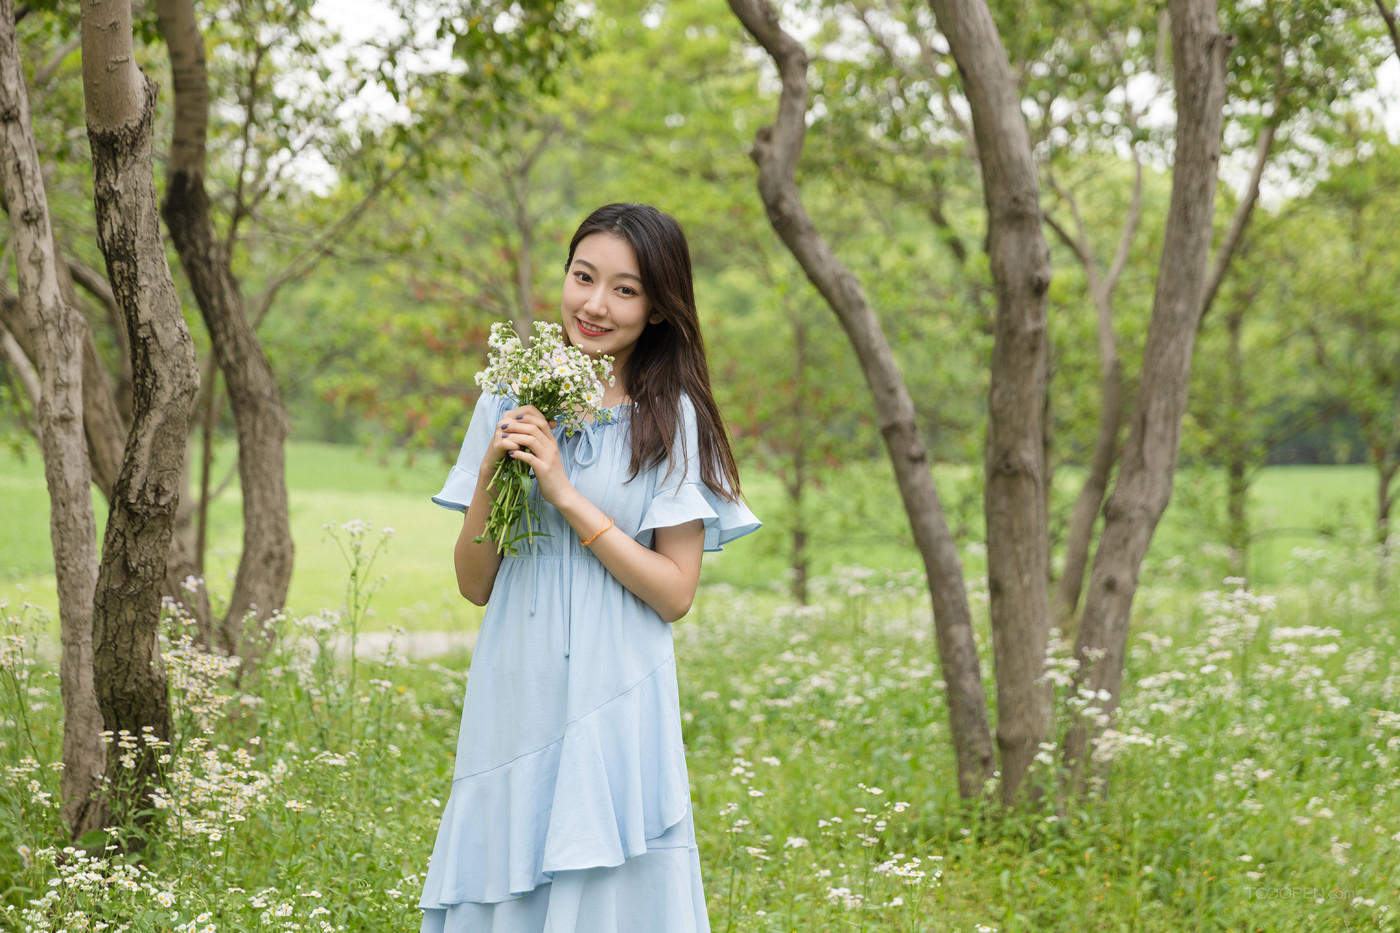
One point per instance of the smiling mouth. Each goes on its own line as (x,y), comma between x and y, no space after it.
(588,330)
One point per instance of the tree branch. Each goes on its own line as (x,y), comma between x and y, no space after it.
(781,142)
(320,247)
(1388,15)
(1078,242)
(95,284)
(25,374)
(1243,211)
(239,208)
(45,72)
(1125,242)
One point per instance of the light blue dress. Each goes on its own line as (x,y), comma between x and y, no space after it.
(570,804)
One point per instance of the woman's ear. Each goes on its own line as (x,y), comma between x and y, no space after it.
(656,318)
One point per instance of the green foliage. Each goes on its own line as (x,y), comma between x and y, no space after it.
(1340,300)
(852,519)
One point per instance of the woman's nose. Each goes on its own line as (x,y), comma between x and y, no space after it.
(594,300)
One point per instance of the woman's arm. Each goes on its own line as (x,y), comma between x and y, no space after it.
(477,564)
(665,578)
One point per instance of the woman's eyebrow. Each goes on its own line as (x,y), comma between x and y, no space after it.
(620,275)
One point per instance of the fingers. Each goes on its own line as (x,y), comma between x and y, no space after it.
(523,434)
(528,414)
(526,421)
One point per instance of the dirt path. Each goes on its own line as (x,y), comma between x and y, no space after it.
(414,645)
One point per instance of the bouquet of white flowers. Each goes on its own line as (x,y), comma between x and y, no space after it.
(564,384)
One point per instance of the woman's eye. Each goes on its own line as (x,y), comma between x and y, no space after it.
(582,277)
(627,290)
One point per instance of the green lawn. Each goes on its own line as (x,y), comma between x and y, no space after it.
(1252,786)
(855,519)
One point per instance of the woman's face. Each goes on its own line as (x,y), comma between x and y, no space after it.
(603,307)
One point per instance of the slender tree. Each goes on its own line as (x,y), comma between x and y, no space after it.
(127,668)
(265,570)
(1144,484)
(776,151)
(54,333)
(1014,497)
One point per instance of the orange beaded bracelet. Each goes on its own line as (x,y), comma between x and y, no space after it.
(600,532)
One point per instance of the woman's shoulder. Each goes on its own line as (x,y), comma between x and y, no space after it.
(686,407)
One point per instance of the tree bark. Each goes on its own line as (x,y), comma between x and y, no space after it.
(106,428)
(776,151)
(1014,503)
(129,675)
(55,339)
(1144,483)
(265,567)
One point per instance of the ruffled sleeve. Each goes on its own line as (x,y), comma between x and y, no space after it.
(682,496)
(457,492)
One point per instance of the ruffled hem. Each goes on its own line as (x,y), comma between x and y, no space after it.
(595,798)
(457,492)
(661,890)
(724,520)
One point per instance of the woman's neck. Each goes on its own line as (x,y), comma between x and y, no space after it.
(615,394)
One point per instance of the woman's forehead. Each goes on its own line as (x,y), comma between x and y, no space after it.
(607,254)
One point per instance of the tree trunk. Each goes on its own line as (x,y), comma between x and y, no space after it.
(798,487)
(1014,503)
(1144,483)
(209,421)
(776,151)
(55,336)
(1385,500)
(106,429)
(265,566)
(108,432)
(128,673)
(524,267)
(1237,452)
(1089,502)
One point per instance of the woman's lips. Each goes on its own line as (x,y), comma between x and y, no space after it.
(588,330)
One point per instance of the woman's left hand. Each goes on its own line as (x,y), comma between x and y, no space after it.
(529,437)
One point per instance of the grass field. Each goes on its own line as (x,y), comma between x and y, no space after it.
(854,520)
(1248,783)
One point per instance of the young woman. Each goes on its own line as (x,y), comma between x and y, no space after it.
(570,805)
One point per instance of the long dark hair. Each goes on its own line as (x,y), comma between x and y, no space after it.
(669,357)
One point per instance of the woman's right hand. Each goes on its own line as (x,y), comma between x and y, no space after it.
(525,433)
(496,451)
